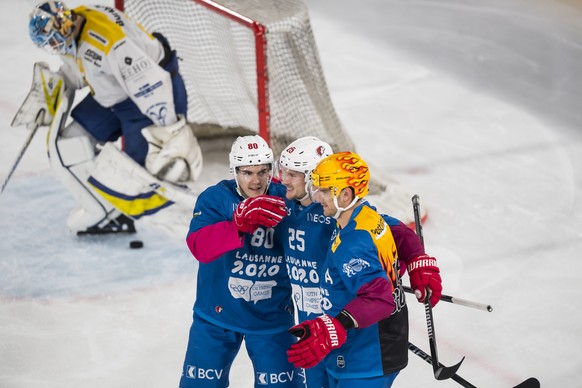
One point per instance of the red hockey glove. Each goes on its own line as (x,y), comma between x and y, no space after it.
(264,210)
(424,275)
(317,337)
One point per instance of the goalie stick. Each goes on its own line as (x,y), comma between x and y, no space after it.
(37,123)
(532,382)
(459,301)
(440,371)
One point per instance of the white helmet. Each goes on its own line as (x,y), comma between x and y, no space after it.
(303,155)
(249,150)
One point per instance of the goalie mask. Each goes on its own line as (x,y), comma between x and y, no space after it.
(250,150)
(51,28)
(337,172)
(302,156)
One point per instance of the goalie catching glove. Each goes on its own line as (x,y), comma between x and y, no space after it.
(317,337)
(42,99)
(424,277)
(173,152)
(264,210)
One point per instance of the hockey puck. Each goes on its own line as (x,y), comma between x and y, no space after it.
(136,244)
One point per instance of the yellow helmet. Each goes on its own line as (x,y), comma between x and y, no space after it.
(341,170)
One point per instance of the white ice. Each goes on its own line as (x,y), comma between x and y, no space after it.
(476,105)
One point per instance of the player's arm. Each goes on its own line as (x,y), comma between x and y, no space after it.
(173,154)
(211,235)
(374,302)
(212,232)
(210,242)
(422,269)
(319,336)
(150,87)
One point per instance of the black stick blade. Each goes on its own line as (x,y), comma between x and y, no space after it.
(446,372)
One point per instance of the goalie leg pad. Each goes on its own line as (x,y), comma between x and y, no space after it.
(72,160)
(76,150)
(117,179)
(72,166)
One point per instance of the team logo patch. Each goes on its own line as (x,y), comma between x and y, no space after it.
(354,266)
(239,289)
(157,111)
(249,290)
(135,68)
(93,57)
(262,378)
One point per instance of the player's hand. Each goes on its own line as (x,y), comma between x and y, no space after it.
(264,210)
(317,337)
(424,277)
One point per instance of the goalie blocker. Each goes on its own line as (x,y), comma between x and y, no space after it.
(106,184)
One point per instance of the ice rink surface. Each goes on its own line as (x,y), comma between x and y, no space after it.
(476,105)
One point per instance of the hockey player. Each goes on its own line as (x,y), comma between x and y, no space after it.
(136,92)
(305,234)
(361,289)
(242,290)
(308,232)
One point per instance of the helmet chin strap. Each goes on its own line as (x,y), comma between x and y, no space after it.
(343,209)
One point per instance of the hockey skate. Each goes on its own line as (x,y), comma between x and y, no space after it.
(122,224)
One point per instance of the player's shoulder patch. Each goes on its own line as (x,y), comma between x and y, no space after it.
(101,29)
(354,266)
(370,221)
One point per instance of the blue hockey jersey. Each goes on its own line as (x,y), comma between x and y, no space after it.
(359,253)
(306,233)
(245,289)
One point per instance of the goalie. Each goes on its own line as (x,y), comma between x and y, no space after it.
(136,94)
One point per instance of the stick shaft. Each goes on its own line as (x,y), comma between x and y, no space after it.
(20,155)
(459,301)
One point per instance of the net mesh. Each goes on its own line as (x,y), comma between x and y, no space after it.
(219,66)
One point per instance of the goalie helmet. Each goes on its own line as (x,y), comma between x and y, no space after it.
(341,170)
(249,151)
(51,28)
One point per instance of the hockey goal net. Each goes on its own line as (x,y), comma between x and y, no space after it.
(249,66)
(252,66)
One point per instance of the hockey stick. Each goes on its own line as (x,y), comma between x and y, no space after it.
(532,382)
(37,124)
(441,372)
(459,301)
